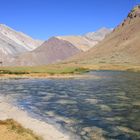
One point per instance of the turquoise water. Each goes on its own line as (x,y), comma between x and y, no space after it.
(89,109)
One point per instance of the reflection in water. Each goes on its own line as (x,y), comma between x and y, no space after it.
(93,109)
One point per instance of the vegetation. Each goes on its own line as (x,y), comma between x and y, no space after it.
(55,69)
(63,69)
(12,72)
(14,131)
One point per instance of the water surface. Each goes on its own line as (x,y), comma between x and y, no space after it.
(92,109)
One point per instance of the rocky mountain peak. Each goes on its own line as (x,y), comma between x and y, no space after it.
(133,16)
(135,12)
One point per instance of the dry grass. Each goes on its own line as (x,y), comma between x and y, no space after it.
(11,130)
(104,66)
(62,70)
(133,68)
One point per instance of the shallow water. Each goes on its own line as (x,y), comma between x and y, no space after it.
(92,109)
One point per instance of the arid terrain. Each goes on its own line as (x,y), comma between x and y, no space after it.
(46,66)
(9,129)
(121,48)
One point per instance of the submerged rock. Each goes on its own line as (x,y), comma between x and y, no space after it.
(105,108)
(94,133)
(128,130)
(92,101)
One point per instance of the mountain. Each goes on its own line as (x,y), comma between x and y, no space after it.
(13,43)
(99,35)
(121,46)
(51,51)
(56,49)
(87,41)
(80,42)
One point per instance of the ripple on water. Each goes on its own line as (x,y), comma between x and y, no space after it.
(92,101)
(105,108)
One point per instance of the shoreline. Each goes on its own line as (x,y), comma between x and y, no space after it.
(40,128)
(73,74)
(45,76)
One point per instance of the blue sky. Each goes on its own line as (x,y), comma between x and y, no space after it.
(42,19)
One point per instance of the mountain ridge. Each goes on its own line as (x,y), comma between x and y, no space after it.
(13,43)
(19,37)
(120,47)
(117,47)
(13,50)
(87,41)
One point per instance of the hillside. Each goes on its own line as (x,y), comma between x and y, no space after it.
(19,38)
(13,43)
(121,47)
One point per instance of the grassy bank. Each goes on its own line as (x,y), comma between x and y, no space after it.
(52,70)
(11,130)
(61,70)
(113,67)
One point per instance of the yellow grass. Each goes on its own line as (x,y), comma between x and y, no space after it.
(11,130)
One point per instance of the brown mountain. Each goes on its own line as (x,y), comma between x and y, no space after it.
(51,51)
(120,47)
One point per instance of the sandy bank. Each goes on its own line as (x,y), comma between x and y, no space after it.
(43,129)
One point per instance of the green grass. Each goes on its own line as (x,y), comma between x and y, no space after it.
(43,69)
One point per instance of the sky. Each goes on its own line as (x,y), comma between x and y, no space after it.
(42,19)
